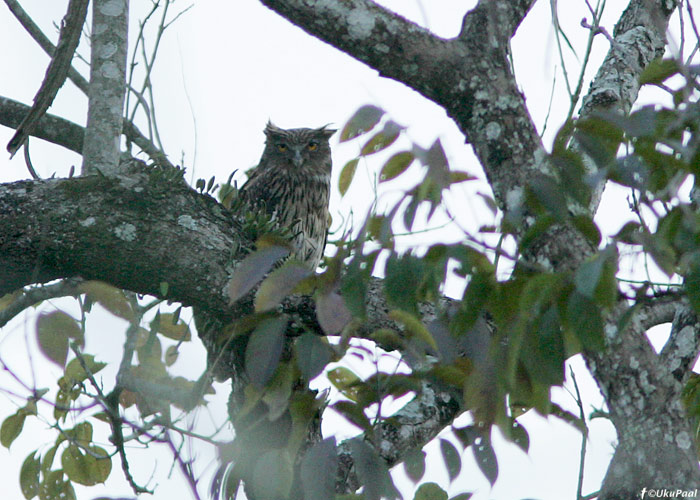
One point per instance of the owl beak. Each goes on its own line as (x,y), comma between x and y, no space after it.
(298,160)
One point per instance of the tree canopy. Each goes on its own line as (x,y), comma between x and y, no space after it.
(541,282)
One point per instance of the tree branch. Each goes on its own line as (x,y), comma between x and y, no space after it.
(35,32)
(69,134)
(121,232)
(110,20)
(56,73)
(130,130)
(49,127)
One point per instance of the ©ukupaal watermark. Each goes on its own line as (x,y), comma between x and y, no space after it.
(666,493)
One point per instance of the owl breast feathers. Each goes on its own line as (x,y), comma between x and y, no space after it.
(291,184)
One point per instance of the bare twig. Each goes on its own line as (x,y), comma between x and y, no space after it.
(584,436)
(65,288)
(130,130)
(56,73)
(28,160)
(35,32)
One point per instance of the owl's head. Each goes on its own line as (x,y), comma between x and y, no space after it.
(300,149)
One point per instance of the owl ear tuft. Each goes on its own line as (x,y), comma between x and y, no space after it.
(326,132)
(272,129)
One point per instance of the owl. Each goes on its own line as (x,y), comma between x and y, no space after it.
(291,184)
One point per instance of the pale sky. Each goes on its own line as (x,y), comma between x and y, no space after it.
(225,68)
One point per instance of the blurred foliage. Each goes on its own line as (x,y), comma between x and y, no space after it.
(499,349)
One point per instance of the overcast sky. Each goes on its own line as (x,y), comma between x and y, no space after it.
(224,69)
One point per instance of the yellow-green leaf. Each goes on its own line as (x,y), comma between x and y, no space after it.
(279,284)
(396,165)
(171,327)
(109,297)
(658,70)
(362,121)
(87,467)
(346,175)
(29,476)
(345,381)
(54,330)
(413,326)
(11,428)
(75,371)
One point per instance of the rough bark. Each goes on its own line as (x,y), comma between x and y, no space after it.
(134,233)
(110,20)
(470,77)
(140,231)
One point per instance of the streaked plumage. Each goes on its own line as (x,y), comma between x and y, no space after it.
(292,185)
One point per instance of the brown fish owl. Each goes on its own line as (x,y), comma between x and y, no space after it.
(292,185)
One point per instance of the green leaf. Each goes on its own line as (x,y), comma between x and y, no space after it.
(462,496)
(54,331)
(659,70)
(29,476)
(318,470)
(585,320)
(430,491)
(548,192)
(453,463)
(354,413)
(486,459)
(438,166)
(345,381)
(353,288)
(11,428)
(332,314)
(413,326)
(252,269)
(312,355)
(171,327)
(84,467)
(692,284)
(402,282)
(74,370)
(519,435)
(381,140)
(346,175)
(279,284)
(362,121)
(542,351)
(54,487)
(7,299)
(588,275)
(396,165)
(414,465)
(587,228)
(456,177)
(264,348)
(372,472)
(109,297)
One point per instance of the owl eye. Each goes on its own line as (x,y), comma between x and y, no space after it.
(313,146)
(282,148)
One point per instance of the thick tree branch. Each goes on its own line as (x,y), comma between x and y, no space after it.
(471,79)
(469,76)
(135,233)
(639,38)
